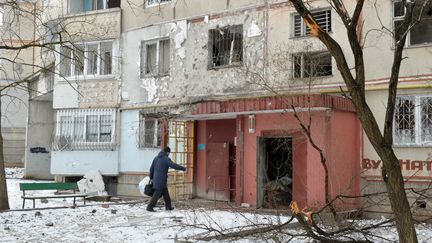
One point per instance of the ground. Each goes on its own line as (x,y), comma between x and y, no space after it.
(130,222)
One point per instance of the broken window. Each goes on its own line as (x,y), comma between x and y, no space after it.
(314,64)
(226,46)
(420,33)
(79,6)
(150,132)
(88,58)
(155,57)
(155,2)
(413,120)
(84,129)
(323,19)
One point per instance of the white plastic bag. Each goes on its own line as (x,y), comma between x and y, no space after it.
(142,184)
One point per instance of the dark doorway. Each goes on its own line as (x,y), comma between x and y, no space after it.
(275,172)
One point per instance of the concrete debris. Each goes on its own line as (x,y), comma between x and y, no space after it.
(92,184)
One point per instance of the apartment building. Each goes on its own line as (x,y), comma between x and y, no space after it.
(15,66)
(225,84)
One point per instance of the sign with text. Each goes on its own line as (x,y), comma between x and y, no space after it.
(420,169)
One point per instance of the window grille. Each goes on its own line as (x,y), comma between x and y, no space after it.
(420,33)
(88,58)
(413,120)
(323,19)
(314,64)
(226,46)
(154,2)
(150,132)
(85,129)
(155,57)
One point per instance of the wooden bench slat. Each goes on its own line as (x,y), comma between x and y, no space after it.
(48,186)
(54,196)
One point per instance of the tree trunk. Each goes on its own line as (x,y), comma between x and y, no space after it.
(4,202)
(392,173)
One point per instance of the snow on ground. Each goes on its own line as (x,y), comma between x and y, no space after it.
(132,223)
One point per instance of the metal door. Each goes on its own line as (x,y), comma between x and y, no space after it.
(218,171)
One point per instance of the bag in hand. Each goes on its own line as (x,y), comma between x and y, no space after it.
(148,189)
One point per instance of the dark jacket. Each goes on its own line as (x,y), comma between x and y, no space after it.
(159,170)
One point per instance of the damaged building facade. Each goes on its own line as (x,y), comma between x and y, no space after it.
(227,85)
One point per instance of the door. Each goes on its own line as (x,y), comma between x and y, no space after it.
(217,171)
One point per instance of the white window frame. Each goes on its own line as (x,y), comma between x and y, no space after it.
(82,140)
(159,61)
(418,142)
(303,26)
(1,15)
(86,59)
(152,3)
(157,134)
(302,64)
(104,3)
(401,18)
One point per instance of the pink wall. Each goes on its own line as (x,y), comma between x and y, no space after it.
(345,169)
(335,131)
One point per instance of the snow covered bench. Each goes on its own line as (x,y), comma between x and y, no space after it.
(50,186)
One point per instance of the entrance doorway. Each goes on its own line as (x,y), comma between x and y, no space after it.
(275,172)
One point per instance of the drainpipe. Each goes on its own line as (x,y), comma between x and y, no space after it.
(241,146)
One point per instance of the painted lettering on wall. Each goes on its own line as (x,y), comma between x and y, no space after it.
(407,165)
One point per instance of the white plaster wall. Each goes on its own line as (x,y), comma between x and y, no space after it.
(378,49)
(132,158)
(134,10)
(71,163)
(40,129)
(377,101)
(189,76)
(65,95)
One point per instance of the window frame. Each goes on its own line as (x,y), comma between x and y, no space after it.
(302,56)
(80,118)
(418,125)
(2,11)
(211,50)
(157,132)
(94,7)
(72,71)
(303,26)
(159,61)
(401,18)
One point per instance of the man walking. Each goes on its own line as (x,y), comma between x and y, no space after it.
(159,175)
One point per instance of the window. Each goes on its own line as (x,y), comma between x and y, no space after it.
(155,58)
(323,18)
(155,2)
(150,132)
(226,46)
(413,120)
(314,64)
(89,59)
(78,129)
(421,32)
(80,6)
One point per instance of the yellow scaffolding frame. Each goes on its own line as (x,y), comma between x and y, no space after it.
(181,139)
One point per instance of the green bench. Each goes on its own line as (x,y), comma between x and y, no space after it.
(50,186)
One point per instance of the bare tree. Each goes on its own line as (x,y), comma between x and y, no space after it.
(33,36)
(355,82)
